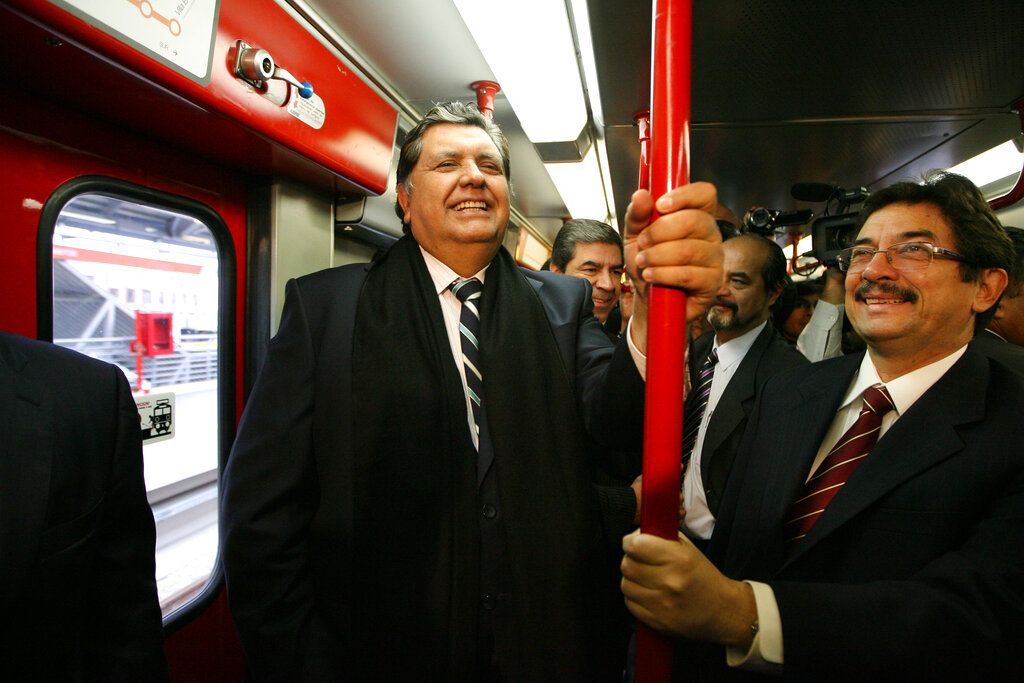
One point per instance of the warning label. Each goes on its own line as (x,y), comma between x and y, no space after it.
(156,415)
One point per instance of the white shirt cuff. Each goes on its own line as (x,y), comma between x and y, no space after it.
(639,359)
(765,653)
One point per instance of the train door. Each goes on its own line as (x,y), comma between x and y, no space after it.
(105,231)
(142,169)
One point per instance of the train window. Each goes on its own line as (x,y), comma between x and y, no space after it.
(139,285)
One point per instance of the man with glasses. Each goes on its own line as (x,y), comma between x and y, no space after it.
(873,525)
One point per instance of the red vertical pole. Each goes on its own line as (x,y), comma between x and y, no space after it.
(643,125)
(666,327)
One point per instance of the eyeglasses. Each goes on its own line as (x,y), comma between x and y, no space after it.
(903,256)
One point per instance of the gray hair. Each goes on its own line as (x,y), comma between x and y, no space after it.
(458,113)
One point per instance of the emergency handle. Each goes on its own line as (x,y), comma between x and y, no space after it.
(257,66)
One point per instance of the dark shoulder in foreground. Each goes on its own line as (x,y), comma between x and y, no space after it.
(998,349)
(783,355)
(556,280)
(20,352)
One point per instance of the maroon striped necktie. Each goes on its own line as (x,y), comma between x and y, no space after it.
(838,465)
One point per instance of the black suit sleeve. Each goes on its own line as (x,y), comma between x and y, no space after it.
(124,640)
(611,392)
(270,494)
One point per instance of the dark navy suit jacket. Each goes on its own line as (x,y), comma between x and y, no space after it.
(286,504)
(915,571)
(77,587)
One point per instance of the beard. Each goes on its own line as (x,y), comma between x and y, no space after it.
(723,321)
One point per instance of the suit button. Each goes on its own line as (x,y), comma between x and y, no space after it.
(490,512)
(488,601)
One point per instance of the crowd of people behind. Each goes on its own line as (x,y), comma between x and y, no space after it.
(852,482)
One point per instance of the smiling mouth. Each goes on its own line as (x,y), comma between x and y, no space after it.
(463,206)
(875,302)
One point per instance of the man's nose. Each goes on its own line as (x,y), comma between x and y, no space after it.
(879,268)
(723,289)
(605,281)
(472,175)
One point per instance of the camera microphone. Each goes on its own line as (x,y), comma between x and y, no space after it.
(813,192)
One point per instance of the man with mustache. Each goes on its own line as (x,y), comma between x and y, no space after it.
(747,351)
(873,523)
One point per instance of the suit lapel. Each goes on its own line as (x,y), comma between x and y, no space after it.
(25,461)
(793,437)
(728,412)
(923,437)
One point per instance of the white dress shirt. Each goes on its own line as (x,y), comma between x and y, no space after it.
(822,337)
(699,522)
(766,652)
(451,307)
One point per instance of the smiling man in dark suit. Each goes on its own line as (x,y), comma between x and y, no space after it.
(873,526)
(747,352)
(77,585)
(408,497)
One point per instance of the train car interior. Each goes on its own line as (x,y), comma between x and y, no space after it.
(168,165)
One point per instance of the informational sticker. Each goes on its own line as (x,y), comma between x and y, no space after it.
(310,111)
(156,414)
(179,33)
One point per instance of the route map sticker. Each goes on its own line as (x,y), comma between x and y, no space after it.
(156,416)
(178,33)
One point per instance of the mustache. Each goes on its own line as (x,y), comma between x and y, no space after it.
(718,301)
(875,289)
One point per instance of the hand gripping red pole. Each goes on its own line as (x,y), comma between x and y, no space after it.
(666,326)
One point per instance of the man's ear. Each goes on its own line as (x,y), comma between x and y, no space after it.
(554,268)
(774,296)
(403,201)
(990,288)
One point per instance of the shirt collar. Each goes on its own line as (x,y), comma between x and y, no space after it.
(733,350)
(905,389)
(442,275)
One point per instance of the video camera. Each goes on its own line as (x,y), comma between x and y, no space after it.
(830,234)
(766,222)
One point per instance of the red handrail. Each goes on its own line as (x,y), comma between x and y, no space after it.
(643,130)
(666,327)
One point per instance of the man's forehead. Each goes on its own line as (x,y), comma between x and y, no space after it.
(456,140)
(904,222)
(597,252)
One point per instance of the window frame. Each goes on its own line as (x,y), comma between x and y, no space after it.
(226,327)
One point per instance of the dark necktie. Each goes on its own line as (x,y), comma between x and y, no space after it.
(468,292)
(696,403)
(838,465)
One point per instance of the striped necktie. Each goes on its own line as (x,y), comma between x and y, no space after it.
(838,465)
(468,292)
(696,403)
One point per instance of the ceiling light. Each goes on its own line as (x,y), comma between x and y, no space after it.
(529,47)
(995,164)
(581,187)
